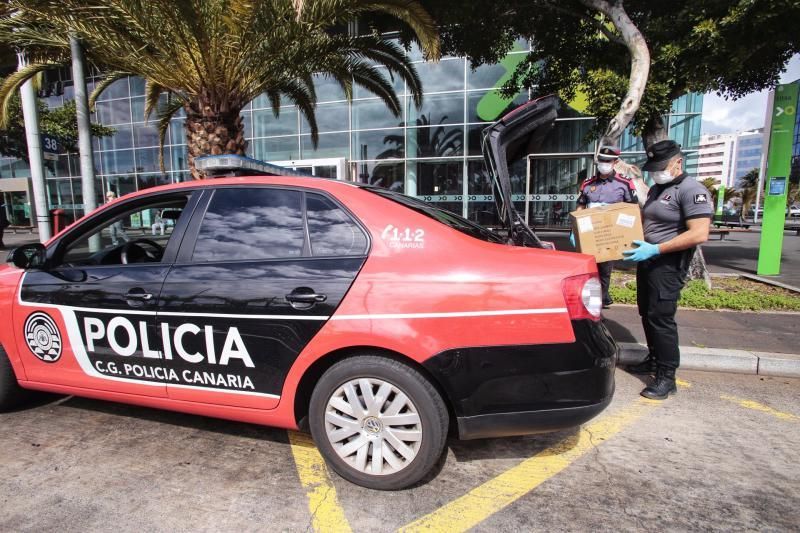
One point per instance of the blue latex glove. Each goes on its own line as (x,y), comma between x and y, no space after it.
(572,239)
(642,252)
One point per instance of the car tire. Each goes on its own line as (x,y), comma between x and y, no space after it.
(11,394)
(367,403)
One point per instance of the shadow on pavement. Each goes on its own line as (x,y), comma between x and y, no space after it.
(215,425)
(510,447)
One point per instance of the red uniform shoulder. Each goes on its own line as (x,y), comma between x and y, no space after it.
(588,181)
(623,179)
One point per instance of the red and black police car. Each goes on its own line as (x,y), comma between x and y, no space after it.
(377,321)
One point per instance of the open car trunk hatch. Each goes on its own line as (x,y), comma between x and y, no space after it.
(514,136)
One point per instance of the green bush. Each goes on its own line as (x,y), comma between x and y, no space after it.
(697,296)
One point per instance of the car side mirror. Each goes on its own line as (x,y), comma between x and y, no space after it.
(28,256)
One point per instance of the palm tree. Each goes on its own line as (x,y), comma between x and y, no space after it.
(212,57)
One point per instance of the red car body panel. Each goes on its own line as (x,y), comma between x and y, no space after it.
(425,288)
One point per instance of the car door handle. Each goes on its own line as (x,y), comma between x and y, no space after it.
(296,296)
(138,294)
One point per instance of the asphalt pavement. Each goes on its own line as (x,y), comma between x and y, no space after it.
(721,455)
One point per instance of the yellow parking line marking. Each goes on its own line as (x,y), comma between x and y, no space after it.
(326,513)
(749,404)
(683,383)
(482,502)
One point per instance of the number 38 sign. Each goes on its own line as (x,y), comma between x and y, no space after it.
(50,147)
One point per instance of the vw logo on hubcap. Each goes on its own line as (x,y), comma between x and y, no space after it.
(373,425)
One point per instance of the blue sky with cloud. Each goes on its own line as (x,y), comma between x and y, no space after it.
(727,116)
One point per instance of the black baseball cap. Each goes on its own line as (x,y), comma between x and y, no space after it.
(660,153)
(608,153)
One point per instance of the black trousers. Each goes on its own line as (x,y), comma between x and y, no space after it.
(658,284)
(604,269)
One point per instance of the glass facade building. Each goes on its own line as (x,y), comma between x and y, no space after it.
(433,152)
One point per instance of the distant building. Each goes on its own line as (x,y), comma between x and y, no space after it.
(715,158)
(729,156)
(749,148)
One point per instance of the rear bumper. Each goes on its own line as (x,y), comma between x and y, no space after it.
(499,391)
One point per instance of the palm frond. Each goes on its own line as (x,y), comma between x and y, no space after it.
(165,115)
(14,81)
(152,95)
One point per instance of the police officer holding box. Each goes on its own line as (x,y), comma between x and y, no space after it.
(676,218)
(606,187)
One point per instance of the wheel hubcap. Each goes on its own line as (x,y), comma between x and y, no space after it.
(373,426)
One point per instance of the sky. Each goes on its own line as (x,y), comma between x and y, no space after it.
(726,116)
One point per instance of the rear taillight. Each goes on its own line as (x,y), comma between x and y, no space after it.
(584,296)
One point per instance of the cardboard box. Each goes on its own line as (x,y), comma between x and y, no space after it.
(606,231)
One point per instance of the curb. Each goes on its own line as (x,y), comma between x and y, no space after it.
(722,360)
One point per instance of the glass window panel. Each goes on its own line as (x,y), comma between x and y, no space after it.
(118,162)
(247,124)
(330,117)
(177,133)
(327,89)
(479,180)
(387,174)
(330,145)
(436,142)
(265,124)
(276,149)
(437,109)
(378,144)
(118,89)
(445,75)
(396,81)
(485,76)
(137,85)
(58,168)
(114,112)
(331,230)
(147,160)
(261,101)
(243,224)
(368,114)
(77,193)
(20,169)
(488,106)
(137,109)
(145,181)
(439,182)
(122,139)
(121,185)
(474,139)
(145,134)
(59,193)
(180,158)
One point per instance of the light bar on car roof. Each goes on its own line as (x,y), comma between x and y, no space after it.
(214,166)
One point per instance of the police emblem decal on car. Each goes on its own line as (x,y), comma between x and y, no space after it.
(43,337)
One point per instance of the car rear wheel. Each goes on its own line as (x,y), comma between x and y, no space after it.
(378,422)
(11,394)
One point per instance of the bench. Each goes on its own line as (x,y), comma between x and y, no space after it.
(730,221)
(723,232)
(20,229)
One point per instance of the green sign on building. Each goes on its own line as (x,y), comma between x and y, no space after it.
(784,111)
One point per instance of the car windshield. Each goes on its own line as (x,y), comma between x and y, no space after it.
(445,217)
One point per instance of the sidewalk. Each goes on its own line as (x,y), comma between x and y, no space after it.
(749,343)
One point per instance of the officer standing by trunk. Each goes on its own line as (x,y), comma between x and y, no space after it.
(676,218)
(606,187)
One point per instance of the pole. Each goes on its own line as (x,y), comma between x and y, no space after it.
(762,168)
(31,117)
(84,126)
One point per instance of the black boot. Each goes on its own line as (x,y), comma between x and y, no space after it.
(662,386)
(648,366)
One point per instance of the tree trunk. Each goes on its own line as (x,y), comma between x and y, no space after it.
(212,133)
(640,66)
(654,131)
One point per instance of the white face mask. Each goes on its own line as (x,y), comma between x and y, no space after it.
(605,168)
(662,177)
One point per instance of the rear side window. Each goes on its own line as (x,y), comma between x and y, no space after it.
(248,224)
(332,231)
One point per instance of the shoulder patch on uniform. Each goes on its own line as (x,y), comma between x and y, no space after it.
(701,198)
(588,182)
